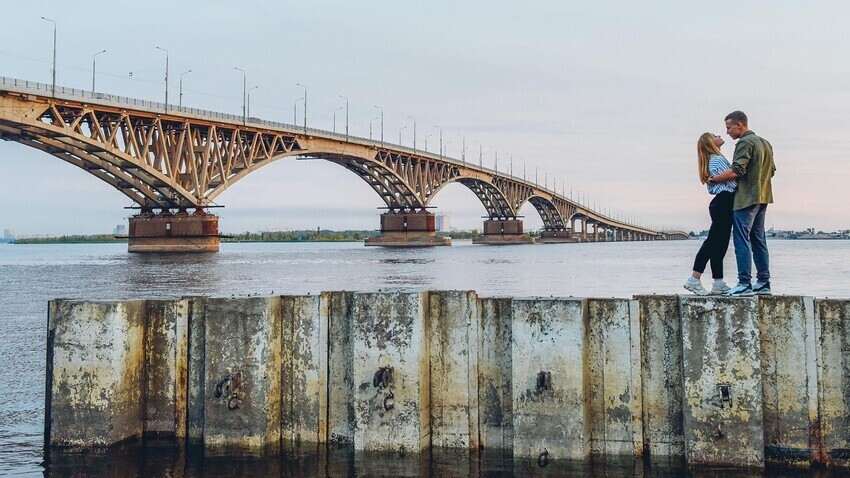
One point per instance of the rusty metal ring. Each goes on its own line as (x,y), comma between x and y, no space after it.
(389,402)
(543,458)
(233,402)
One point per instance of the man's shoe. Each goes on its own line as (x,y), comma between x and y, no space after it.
(695,286)
(740,290)
(720,289)
(762,288)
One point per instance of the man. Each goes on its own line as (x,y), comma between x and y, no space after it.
(752,167)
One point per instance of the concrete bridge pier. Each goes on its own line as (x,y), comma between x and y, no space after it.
(503,232)
(557,236)
(173,232)
(408,229)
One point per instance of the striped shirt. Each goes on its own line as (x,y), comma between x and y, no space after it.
(716,165)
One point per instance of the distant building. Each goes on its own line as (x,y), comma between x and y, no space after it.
(120,230)
(443,222)
(8,234)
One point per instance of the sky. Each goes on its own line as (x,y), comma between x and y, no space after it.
(608,97)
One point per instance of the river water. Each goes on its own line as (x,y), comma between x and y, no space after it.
(30,275)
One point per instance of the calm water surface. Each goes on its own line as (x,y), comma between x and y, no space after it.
(30,275)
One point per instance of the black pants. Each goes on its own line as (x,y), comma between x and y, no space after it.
(714,248)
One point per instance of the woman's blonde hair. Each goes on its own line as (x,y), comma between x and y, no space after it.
(705,148)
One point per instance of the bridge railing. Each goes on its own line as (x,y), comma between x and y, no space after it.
(155,106)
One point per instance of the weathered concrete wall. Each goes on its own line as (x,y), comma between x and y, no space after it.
(833,329)
(454,347)
(720,339)
(304,370)
(242,363)
(95,372)
(661,375)
(390,332)
(612,364)
(789,380)
(548,338)
(495,392)
(571,376)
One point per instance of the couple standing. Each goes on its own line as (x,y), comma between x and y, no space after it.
(742,190)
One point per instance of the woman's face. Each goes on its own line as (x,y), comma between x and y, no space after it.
(718,140)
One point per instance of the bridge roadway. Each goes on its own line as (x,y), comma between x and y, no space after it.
(172,159)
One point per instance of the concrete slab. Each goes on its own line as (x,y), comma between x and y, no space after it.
(166,345)
(662,381)
(789,380)
(95,373)
(242,366)
(613,370)
(833,330)
(548,339)
(390,333)
(721,361)
(340,369)
(454,328)
(495,394)
(304,370)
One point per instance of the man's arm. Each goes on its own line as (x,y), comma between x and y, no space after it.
(743,154)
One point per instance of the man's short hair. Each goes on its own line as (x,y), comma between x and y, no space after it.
(736,117)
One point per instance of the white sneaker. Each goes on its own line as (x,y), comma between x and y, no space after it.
(718,289)
(695,286)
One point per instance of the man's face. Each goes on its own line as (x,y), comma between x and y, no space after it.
(734,129)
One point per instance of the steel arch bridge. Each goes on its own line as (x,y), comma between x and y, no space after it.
(169,157)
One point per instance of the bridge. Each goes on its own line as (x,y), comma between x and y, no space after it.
(169,159)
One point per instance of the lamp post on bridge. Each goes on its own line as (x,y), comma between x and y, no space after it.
(370,126)
(54,53)
(463,148)
(295,112)
(441,140)
(480,154)
(181,87)
(244,94)
(414,133)
(248,101)
(426,142)
(94,67)
(496,160)
(335,117)
(166,77)
(446,147)
(346,115)
(382,125)
(399,134)
(305,105)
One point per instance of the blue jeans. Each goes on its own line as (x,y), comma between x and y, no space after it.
(750,243)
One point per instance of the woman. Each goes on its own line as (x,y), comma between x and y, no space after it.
(713,250)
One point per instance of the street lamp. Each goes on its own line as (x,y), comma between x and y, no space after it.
(414,133)
(166,77)
(446,147)
(371,121)
(441,140)
(426,142)
(463,149)
(181,87)
(382,124)
(305,105)
(295,111)
(496,161)
(54,52)
(248,107)
(244,93)
(399,134)
(93,67)
(480,154)
(346,115)
(335,117)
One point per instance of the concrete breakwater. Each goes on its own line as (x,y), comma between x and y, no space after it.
(717,381)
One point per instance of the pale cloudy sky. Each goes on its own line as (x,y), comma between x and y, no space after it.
(607,96)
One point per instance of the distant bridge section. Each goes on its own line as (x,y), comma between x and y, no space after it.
(169,159)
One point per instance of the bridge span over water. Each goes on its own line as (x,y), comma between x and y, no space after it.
(170,160)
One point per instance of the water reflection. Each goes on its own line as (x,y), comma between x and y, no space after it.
(163,458)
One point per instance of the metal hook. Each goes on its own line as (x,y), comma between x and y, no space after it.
(543,458)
